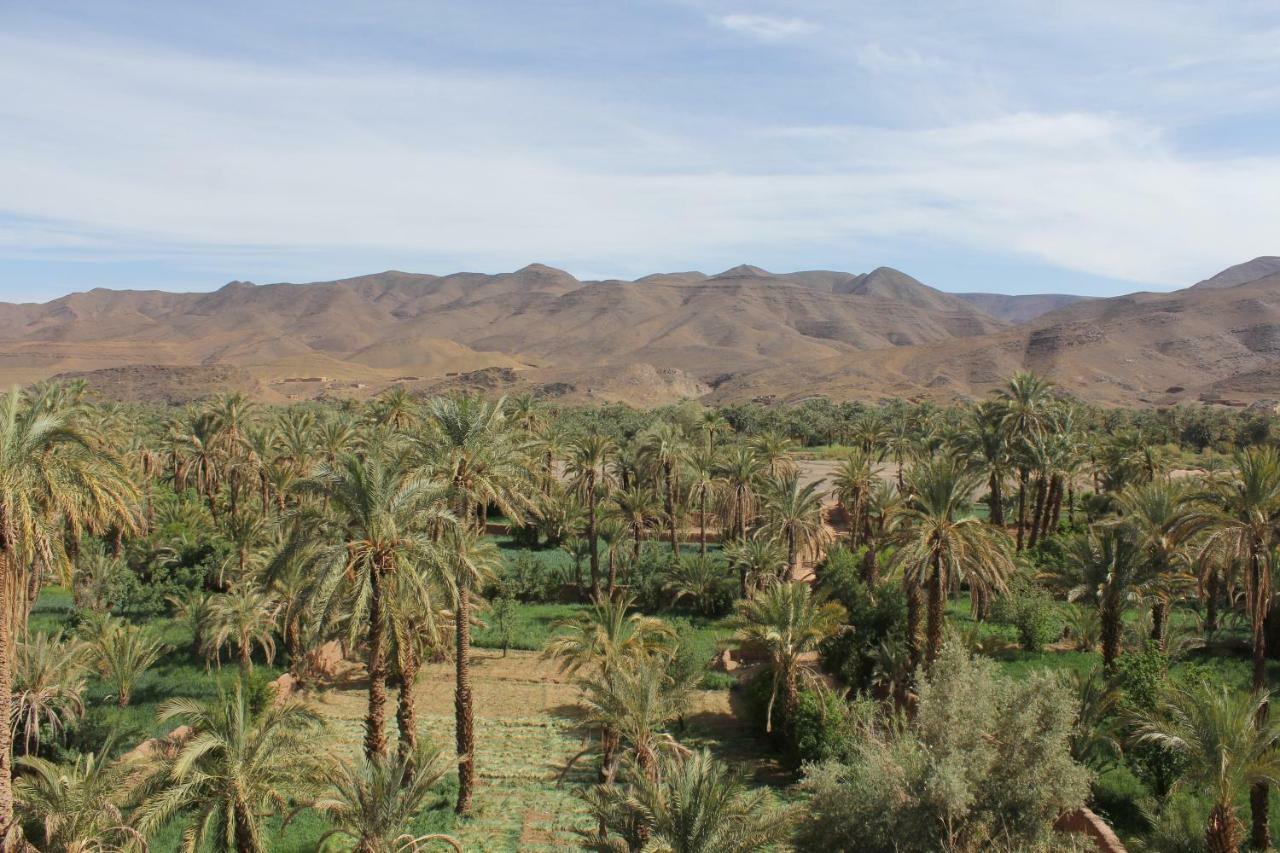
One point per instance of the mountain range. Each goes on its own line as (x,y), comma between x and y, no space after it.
(742,334)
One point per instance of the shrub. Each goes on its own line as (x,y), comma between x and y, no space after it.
(1030,611)
(823,728)
(878,620)
(985,764)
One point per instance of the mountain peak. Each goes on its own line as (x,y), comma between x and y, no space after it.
(1259,267)
(744,271)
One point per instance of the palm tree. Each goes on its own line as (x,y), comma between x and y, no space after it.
(698,579)
(194,608)
(851,484)
(613,532)
(604,635)
(793,514)
(774,450)
(1104,564)
(53,481)
(1244,526)
(381,521)
(638,508)
(588,470)
(758,559)
(986,442)
(702,488)
(739,473)
(1161,514)
(77,807)
(123,654)
(243,617)
(882,514)
(664,449)
(632,704)
(787,620)
(941,539)
(694,804)
(48,687)
(233,770)
(711,424)
(1025,401)
(375,801)
(1228,745)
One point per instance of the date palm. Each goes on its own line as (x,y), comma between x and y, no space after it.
(941,540)
(786,620)
(851,484)
(882,516)
(48,687)
(664,449)
(793,514)
(244,617)
(985,441)
(373,802)
(588,470)
(54,483)
(702,486)
(122,654)
(632,704)
(775,451)
(233,771)
(739,474)
(1025,402)
(639,508)
(604,635)
(1105,566)
(758,560)
(1161,514)
(1218,733)
(1243,527)
(695,804)
(381,519)
(77,807)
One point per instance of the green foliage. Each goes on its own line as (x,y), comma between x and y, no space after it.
(985,763)
(823,728)
(1030,611)
(702,581)
(1142,677)
(878,620)
(502,619)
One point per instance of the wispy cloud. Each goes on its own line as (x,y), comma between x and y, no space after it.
(766,27)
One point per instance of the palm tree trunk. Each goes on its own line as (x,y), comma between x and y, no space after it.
(702,522)
(464,721)
(1211,602)
(1222,835)
(246,659)
(1037,512)
(7,571)
(1022,505)
(592,538)
(997,500)
(1110,635)
(613,571)
(871,567)
(1259,811)
(1159,612)
(933,631)
(670,501)
(244,839)
(791,553)
(375,739)
(913,619)
(406,710)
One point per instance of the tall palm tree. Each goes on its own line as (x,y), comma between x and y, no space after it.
(1243,525)
(739,474)
(793,514)
(472,560)
(787,620)
(589,471)
(852,484)
(233,770)
(604,635)
(702,488)
(637,507)
(632,703)
(664,449)
(694,804)
(1161,513)
(882,516)
(713,424)
(1104,565)
(1217,733)
(1025,401)
(941,539)
(380,519)
(985,440)
(54,482)
(373,802)
(775,451)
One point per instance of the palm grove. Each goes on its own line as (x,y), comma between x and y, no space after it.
(886,602)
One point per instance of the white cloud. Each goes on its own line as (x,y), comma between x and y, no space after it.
(135,148)
(765,27)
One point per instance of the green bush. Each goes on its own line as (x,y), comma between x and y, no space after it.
(823,728)
(877,620)
(1031,611)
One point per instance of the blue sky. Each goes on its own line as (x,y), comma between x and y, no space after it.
(1020,146)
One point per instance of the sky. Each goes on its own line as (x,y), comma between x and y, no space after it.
(1022,146)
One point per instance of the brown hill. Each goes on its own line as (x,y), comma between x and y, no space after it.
(740,334)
